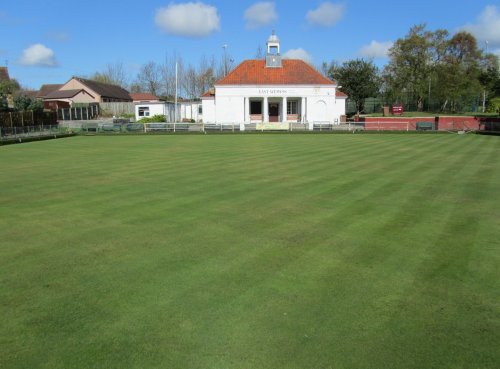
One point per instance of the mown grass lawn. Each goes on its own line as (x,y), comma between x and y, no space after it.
(251,251)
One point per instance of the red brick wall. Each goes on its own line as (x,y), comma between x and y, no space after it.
(394,123)
(465,123)
(443,123)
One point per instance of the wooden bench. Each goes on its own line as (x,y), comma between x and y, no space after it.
(135,127)
(425,126)
(90,127)
(109,127)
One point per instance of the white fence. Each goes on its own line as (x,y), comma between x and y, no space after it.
(19,133)
(123,126)
(249,127)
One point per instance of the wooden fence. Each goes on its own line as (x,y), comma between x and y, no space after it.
(27,118)
(117,109)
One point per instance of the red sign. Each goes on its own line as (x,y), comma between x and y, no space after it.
(397,110)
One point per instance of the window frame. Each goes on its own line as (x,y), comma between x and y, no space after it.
(292,107)
(144,110)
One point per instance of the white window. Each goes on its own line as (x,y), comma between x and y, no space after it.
(143,111)
(291,107)
(200,109)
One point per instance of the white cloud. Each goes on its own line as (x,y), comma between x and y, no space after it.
(188,19)
(487,26)
(298,54)
(38,55)
(261,14)
(326,15)
(376,49)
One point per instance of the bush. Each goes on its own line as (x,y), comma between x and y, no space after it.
(36,105)
(494,106)
(4,105)
(153,119)
(21,103)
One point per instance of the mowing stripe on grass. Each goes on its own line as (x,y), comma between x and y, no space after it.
(250,251)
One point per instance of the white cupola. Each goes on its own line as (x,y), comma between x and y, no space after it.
(273,56)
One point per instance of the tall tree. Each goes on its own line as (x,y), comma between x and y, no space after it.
(457,72)
(149,78)
(189,82)
(113,74)
(454,64)
(167,73)
(359,80)
(489,76)
(206,75)
(410,63)
(9,87)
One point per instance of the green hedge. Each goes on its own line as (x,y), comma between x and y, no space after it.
(153,119)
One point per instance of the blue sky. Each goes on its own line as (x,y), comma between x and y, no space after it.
(50,41)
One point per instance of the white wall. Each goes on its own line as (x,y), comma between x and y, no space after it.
(341,106)
(208,110)
(229,109)
(154,109)
(189,110)
(321,103)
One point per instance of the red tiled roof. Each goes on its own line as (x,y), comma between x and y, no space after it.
(106,90)
(64,94)
(340,94)
(48,89)
(144,97)
(293,72)
(32,94)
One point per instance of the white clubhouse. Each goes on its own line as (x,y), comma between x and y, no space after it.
(274,91)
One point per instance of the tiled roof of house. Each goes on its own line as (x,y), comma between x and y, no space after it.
(63,94)
(210,93)
(340,94)
(47,89)
(293,72)
(4,74)
(32,94)
(144,97)
(106,90)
